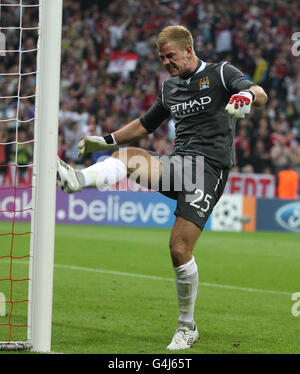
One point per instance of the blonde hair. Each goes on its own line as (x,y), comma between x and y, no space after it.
(180,35)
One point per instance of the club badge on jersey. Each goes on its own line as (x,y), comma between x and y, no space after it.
(240,104)
(204,83)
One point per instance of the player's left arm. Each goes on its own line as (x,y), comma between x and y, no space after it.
(244,93)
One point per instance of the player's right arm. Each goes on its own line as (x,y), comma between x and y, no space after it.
(135,130)
(131,132)
(127,134)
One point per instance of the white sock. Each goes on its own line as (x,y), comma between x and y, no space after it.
(105,173)
(186,278)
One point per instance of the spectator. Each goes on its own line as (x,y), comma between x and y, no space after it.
(22,150)
(287,187)
(4,150)
(259,157)
(243,153)
(280,155)
(73,133)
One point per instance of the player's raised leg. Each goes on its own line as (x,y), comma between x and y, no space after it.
(132,162)
(183,238)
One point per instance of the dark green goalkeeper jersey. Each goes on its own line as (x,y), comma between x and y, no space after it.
(197,106)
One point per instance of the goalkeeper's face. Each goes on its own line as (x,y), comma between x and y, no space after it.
(177,61)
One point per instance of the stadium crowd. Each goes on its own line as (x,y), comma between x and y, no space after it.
(255,36)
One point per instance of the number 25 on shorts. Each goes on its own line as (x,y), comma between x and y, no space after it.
(206,199)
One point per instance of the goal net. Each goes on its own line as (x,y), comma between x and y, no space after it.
(29,75)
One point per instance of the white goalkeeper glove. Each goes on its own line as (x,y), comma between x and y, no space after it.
(96,143)
(240,104)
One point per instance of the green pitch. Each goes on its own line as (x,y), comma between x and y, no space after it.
(114,291)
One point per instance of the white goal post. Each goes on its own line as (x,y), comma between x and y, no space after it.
(41,259)
(44,176)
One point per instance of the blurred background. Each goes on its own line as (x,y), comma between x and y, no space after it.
(110,74)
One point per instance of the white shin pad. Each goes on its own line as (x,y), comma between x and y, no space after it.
(186,278)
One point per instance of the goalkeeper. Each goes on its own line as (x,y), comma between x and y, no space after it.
(204,100)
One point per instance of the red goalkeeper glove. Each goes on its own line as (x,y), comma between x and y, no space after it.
(240,104)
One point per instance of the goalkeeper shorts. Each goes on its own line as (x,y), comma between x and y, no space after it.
(194,182)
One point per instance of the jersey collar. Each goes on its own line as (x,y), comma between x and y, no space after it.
(201,66)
